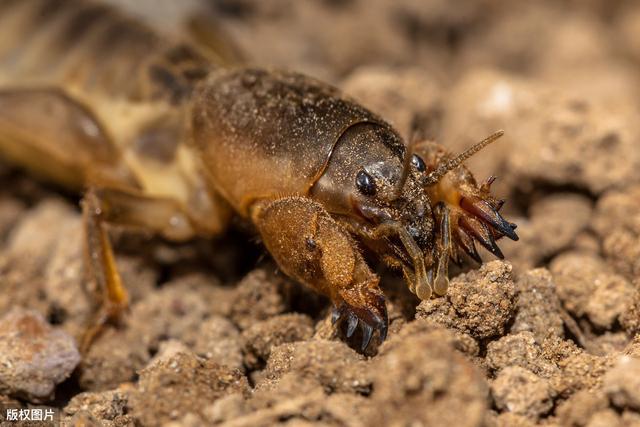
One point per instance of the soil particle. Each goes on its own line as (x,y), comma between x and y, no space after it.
(361,32)
(622,383)
(108,407)
(11,210)
(617,223)
(570,133)
(538,306)
(27,238)
(330,363)
(605,418)
(630,320)
(587,287)
(64,275)
(558,219)
(479,303)
(581,407)
(262,337)
(553,224)
(23,262)
(483,100)
(630,418)
(522,392)
(628,28)
(178,309)
(180,384)
(609,301)
(217,339)
(609,342)
(575,47)
(507,40)
(402,96)
(84,418)
(70,296)
(417,371)
(258,296)
(520,350)
(308,405)
(580,370)
(114,358)
(509,419)
(562,140)
(460,341)
(34,357)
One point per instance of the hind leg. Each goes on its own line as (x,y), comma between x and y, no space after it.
(104,207)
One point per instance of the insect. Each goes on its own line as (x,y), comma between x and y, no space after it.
(159,135)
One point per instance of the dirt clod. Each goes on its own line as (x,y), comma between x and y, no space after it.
(622,383)
(218,339)
(589,287)
(617,225)
(262,337)
(521,350)
(181,384)
(538,307)
(331,363)
(258,298)
(520,391)
(34,357)
(479,303)
(421,370)
(108,408)
(581,407)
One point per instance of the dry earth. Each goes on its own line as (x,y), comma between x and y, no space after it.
(216,336)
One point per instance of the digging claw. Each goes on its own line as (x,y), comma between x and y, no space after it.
(488,214)
(466,243)
(352,323)
(367,333)
(478,230)
(348,319)
(384,328)
(335,315)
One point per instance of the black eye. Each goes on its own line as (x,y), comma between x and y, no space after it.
(365,183)
(418,163)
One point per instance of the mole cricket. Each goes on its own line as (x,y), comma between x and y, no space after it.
(160,135)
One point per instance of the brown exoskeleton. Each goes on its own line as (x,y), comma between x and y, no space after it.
(161,137)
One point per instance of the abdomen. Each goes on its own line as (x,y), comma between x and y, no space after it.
(130,83)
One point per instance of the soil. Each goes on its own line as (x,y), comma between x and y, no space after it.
(216,335)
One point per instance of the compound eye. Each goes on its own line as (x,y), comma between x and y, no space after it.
(418,163)
(365,183)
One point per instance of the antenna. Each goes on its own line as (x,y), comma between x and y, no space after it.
(406,165)
(448,165)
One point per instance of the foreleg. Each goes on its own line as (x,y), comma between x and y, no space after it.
(312,248)
(465,212)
